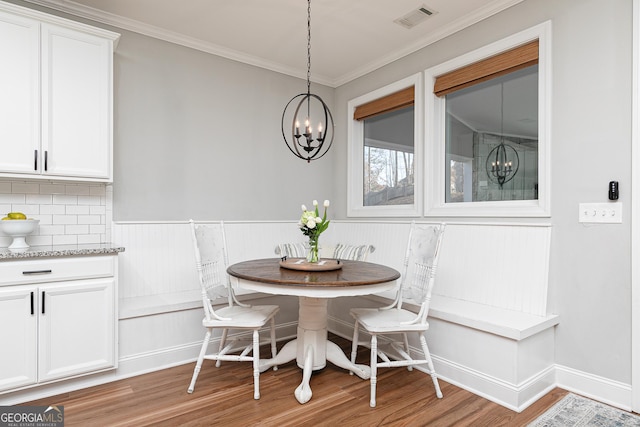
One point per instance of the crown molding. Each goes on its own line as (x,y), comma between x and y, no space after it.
(457,25)
(82,11)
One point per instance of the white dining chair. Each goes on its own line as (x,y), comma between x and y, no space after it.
(339,251)
(416,284)
(352,252)
(211,263)
(291,250)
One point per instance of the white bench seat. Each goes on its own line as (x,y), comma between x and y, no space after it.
(490,330)
(510,324)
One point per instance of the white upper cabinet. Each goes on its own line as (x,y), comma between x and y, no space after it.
(20,102)
(56,120)
(76,86)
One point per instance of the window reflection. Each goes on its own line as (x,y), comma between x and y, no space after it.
(478,119)
(388,158)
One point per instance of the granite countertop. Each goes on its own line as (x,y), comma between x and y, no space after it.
(61,250)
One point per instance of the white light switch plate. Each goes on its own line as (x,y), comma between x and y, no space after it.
(600,212)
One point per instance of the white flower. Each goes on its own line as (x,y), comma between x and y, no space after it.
(318,219)
(315,203)
(304,208)
(311,224)
(326,203)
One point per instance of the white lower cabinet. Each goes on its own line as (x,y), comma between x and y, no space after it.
(76,329)
(19,337)
(56,330)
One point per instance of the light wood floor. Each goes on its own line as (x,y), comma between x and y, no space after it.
(224,397)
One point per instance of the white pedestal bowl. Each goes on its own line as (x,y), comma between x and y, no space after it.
(19,229)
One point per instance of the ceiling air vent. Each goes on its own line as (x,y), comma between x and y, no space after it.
(415,17)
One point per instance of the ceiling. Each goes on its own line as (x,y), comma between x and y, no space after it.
(349,38)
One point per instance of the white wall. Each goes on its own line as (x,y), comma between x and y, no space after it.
(590,284)
(199,136)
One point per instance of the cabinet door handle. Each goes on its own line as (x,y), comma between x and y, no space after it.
(35,160)
(42,302)
(45,159)
(32,306)
(27,273)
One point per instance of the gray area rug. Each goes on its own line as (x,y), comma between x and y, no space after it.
(577,411)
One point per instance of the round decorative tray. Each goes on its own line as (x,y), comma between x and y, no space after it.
(303,265)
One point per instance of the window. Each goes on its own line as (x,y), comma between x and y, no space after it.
(384,151)
(388,158)
(487,130)
(483,123)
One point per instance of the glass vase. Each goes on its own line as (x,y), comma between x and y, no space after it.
(312,255)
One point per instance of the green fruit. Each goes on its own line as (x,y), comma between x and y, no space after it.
(6,218)
(16,215)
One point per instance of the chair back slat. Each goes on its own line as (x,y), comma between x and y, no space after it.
(211,281)
(420,264)
(211,263)
(340,251)
(291,250)
(419,287)
(352,252)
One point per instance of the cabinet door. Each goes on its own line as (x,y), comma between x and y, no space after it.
(19,94)
(18,336)
(77,328)
(76,103)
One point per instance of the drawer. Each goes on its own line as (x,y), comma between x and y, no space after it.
(56,269)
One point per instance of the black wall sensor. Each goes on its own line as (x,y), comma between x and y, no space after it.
(613,190)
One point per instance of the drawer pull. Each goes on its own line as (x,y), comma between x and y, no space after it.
(27,273)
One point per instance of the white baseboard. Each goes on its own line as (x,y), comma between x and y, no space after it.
(519,396)
(131,366)
(607,391)
(516,397)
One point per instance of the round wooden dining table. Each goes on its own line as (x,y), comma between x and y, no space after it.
(311,348)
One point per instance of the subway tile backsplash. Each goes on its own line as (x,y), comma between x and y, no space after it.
(69,213)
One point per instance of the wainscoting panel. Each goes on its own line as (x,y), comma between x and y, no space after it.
(157,269)
(258,239)
(518,256)
(158,259)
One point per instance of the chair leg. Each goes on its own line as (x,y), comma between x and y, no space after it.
(203,351)
(374,369)
(223,342)
(273,342)
(427,355)
(256,364)
(354,344)
(407,349)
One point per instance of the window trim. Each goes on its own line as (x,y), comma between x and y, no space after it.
(435,150)
(355,148)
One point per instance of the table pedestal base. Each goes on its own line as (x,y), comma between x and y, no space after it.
(312,349)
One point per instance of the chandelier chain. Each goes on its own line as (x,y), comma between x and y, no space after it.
(502,112)
(308,46)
